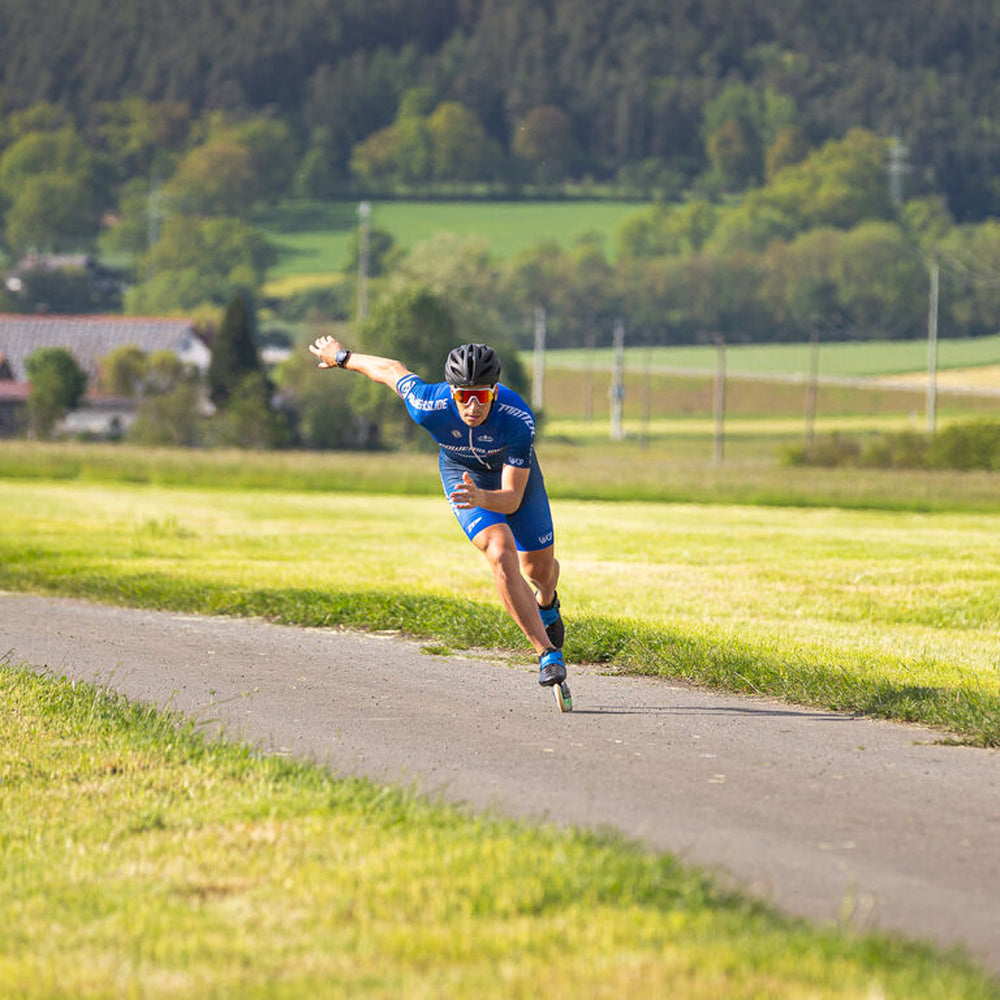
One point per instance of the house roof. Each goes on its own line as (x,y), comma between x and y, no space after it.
(91,338)
(16,392)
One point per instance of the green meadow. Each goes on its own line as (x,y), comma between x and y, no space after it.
(840,359)
(314,237)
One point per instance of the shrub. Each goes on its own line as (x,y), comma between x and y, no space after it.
(905,450)
(966,446)
(829,452)
(962,447)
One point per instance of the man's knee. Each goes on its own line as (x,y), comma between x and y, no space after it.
(541,567)
(499,549)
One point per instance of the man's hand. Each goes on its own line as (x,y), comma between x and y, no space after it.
(325,348)
(467,494)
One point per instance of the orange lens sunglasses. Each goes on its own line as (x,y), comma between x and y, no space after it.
(481,396)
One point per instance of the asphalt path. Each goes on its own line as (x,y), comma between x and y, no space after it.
(824,815)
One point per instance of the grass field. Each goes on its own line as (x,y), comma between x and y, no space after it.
(859,359)
(139,860)
(313,238)
(877,612)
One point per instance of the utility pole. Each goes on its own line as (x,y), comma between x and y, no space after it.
(646,405)
(154,215)
(538,379)
(588,386)
(811,389)
(618,382)
(897,169)
(719,399)
(932,337)
(364,213)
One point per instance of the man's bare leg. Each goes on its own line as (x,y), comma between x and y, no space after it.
(497,544)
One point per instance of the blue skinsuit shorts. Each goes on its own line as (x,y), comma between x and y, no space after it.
(531,523)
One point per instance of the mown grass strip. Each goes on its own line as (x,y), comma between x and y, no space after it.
(140,859)
(599,471)
(845,682)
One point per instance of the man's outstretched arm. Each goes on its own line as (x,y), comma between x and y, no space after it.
(385,370)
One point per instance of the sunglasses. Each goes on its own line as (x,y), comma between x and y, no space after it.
(481,396)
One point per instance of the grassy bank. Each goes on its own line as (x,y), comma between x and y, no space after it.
(891,615)
(674,466)
(140,860)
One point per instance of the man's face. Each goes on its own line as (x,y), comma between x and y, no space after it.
(473,403)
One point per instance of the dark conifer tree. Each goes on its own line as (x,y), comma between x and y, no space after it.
(234,350)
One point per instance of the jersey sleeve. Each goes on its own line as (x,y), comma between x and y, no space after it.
(420,398)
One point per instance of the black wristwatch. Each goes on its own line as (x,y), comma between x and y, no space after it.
(340,358)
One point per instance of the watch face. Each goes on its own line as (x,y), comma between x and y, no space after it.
(341,356)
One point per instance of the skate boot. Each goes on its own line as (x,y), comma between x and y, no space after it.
(551,668)
(553,622)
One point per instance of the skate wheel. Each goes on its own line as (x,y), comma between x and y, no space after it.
(563,698)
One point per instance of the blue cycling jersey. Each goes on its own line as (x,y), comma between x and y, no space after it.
(506,437)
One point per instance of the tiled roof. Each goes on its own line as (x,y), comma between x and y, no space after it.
(13,391)
(89,338)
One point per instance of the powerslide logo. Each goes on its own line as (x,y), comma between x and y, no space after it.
(426,404)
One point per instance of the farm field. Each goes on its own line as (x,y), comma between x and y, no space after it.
(839,359)
(314,238)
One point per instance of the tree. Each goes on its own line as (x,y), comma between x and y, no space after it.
(217,178)
(273,155)
(143,138)
(169,411)
(123,371)
(882,283)
(319,402)
(170,418)
(668,229)
(734,126)
(464,275)
(57,383)
(735,154)
(197,261)
(970,259)
(234,350)
(544,140)
(55,189)
(789,147)
(377,158)
(460,148)
(415,326)
(54,212)
(249,420)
